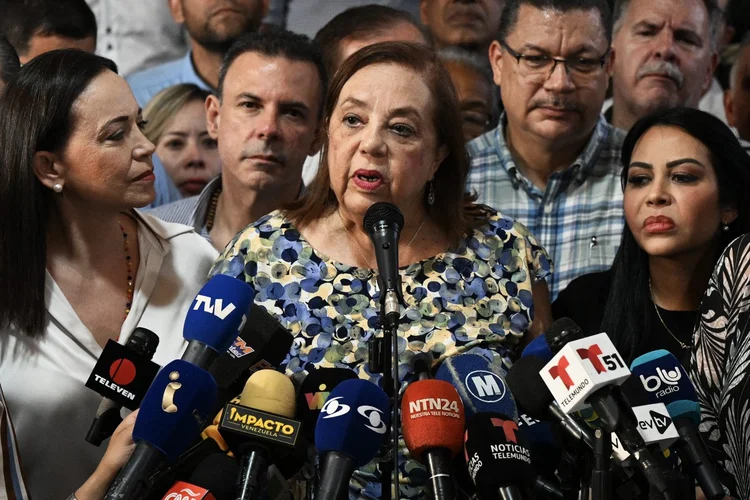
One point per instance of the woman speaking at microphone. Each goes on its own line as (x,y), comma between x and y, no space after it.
(78,265)
(686,181)
(472,279)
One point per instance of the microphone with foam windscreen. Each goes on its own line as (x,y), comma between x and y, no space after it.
(259,427)
(212,479)
(122,375)
(481,386)
(498,457)
(433,427)
(664,380)
(350,430)
(215,318)
(539,348)
(171,416)
(313,394)
(262,343)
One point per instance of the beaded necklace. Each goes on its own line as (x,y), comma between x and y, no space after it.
(129,263)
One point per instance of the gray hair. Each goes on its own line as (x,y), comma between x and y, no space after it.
(476,62)
(715,19)
(744,43)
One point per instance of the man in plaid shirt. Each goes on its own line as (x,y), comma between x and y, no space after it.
(553,162)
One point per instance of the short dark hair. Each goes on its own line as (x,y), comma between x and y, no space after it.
(361,23)
(455,213)
(23,19)
(9,63)
(509,17)
(35,115)
(626,315)
(715,18)
(277,42)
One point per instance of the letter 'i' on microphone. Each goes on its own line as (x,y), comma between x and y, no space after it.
(122,376)
(433,425)
(498,457)
(172,414)
(260,429)
(215,318)
(212,479)
(665,381)
(349,433)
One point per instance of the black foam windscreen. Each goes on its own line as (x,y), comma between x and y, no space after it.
(218,474)
(562,331)
(497,454)
(262,343)
(527,386)
(383,212)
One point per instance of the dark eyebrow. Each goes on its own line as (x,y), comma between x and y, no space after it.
(682,161)
(178,133)
(584,48)
(645,24)
(294,105)
(248,95)
(641,164)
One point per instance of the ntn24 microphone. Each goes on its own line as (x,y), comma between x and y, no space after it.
(580,368)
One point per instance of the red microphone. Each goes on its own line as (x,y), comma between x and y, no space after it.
(433,426)
(186,491)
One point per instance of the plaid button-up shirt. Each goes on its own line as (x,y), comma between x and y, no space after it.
(578,218)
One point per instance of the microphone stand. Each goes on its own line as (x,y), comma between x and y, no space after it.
(391,316)
(600,476)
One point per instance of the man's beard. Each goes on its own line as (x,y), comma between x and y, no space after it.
(217,42)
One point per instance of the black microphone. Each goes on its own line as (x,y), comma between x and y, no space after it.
(383,222)
(142,345)
(213,479)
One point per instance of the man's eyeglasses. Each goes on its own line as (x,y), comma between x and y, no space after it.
(580,68)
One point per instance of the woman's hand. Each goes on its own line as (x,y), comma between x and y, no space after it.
(118,452)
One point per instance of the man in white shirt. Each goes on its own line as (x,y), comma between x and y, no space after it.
(737,99)
(137,35)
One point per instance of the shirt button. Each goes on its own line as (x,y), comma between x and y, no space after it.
(109,46)
(109,30)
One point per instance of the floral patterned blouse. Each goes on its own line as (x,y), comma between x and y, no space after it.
(720,367)
(476,297)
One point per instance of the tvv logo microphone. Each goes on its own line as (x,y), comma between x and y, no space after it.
(663,383)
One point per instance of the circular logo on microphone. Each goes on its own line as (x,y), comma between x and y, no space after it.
(122,371)
(485,386)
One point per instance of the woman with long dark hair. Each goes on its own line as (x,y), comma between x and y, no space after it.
(78,265)
(686,181)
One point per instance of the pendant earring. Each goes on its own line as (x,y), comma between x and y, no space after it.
(725,226)
(431,193)
(57,188)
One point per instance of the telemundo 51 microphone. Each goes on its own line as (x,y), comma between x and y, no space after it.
(584,373)
(664,380)
(383,222)
(172,414)
(350,431)
(498,457)
(215,318)
(433,427)
(122,375)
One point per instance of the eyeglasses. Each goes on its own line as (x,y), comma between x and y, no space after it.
(542,66)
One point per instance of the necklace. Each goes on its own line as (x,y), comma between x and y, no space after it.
(129,264)
(656,308)
(211,212)
(361,250)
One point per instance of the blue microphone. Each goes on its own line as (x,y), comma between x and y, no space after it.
(481,386)
(666,381)
(538,348)
(350,430)
(215,318)
(172,414)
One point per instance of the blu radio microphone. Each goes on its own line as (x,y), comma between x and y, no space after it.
(121,375)
(383,222)
(171,416)
(587,372)
(215,318)
(480,385)
(260,426)
(212,479)
(313,394)
(433,427)
(349,433)
(498,457)
(665,381)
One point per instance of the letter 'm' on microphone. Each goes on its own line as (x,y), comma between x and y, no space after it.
(582,367)
(480,384)
(497,455)
(175,408)
(350,430)
(219,312)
